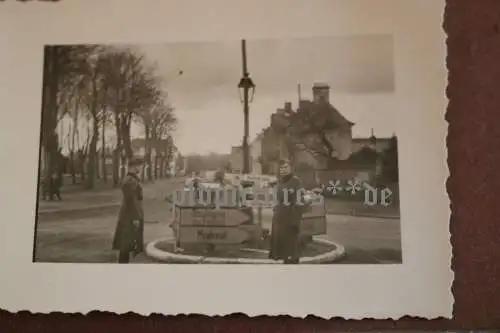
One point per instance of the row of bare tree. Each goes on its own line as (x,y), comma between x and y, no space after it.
(110,87)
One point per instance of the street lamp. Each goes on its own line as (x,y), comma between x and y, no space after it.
(245,86)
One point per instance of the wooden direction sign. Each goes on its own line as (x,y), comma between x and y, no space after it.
(209,217)
(314,220)
(212,235)
(312,226)
(314,210)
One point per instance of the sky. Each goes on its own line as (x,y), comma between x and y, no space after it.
(359,70)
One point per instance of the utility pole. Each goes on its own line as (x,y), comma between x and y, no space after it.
(246,84)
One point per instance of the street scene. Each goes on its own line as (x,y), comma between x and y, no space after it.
(237,152)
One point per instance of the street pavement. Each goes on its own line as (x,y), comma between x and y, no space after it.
(367,240)
(85,235)
(98,203)
(345,207)
(88,239)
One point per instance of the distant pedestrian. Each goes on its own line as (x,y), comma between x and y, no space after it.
(51,186)
(56,184)
(220,177)
(45,186)
(129,232)
(195,183)
(240,192)
(285,232)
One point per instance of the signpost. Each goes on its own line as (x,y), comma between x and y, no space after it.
(312,226)
(233,225)
(208,225)
(213,235)
(314,220)
(209,217)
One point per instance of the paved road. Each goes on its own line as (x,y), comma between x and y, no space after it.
(367,240)
(87,238)
(100,203)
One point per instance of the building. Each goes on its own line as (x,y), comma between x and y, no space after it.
(236,159)
(321,114)
(377,144)
(161,150)
(299,140)
(256,154)
(318,140)
(177,164)
(158,147)
(255,150)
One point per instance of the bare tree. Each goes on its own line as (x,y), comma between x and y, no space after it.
(162,125)
(146,106)
(122,67)
(94,107)
(103,84)
(61,64)
(158,120)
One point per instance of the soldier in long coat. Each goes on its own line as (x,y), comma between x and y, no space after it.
(129,232)
(285,232)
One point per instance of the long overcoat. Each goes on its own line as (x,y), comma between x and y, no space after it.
(127,236)
(285,232)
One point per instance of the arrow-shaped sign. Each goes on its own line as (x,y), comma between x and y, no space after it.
(212,235)
(224,217)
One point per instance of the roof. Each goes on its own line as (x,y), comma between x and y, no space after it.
(351,165)
(259,137)
(324,112)
(366,140)
(364,156)
(321,85)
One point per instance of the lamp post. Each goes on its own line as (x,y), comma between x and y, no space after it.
(245,85)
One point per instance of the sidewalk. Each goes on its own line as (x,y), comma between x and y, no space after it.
(360,209)
(105,198)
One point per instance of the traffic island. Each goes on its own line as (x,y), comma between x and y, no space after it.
(319,251)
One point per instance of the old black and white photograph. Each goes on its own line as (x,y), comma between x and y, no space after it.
(221,157)
(258,151)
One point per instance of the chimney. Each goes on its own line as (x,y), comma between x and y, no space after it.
(288,107)
(321,93)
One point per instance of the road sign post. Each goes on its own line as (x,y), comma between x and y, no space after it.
(313,221)
(214,226)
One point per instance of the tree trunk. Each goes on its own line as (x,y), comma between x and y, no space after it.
(125,135)
(83,170)
(91,164)
(117,166)
(72,167)
(148,151)
(92,152)
(103,157)
(97,167)
(49,107)
(103,147)
(157,167)
(72,149)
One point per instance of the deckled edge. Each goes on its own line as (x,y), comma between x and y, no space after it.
(448,138)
